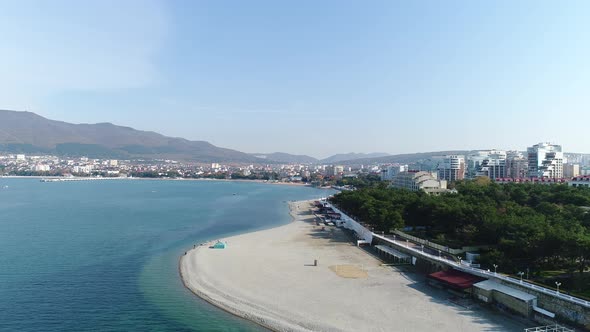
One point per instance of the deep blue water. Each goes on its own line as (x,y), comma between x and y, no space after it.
(103,255)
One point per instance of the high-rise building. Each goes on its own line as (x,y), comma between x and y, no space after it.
(494,165)
(516,165)
(571,170)
(452,168)
(474,163)
(334,170)
(545,161)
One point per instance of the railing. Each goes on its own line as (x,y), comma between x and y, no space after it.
(437,246)
(488,274)
(482,273)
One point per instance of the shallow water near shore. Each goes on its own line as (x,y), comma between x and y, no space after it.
(103,255)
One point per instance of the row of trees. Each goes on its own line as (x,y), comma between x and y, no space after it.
(546,227)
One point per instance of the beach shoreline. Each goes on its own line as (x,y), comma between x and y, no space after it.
(298,184)
(261,321)
(269,277)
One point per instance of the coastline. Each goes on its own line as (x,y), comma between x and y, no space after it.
(268,277)
(261,320)
(161,179)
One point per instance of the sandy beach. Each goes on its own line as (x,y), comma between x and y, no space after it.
(269,277)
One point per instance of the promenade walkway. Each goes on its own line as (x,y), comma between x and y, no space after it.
(441,257)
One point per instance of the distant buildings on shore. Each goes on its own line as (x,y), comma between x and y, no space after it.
(452,168)
(388,173)
(542,163)
(545,161)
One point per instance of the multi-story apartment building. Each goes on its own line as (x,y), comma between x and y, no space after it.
(419,180)
(390,172)
(474,163)
(494,165)
(580,181)
(545,161)
(452,168)
(571,170)
(516,165)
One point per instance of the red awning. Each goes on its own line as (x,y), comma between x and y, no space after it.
(455,278)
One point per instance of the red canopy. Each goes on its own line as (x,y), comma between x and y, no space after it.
(455,278)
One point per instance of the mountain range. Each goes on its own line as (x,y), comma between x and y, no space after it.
(26,132)
(304,159)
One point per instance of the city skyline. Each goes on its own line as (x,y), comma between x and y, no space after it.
(265,77)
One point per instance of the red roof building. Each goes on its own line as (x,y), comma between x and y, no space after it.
(455,279)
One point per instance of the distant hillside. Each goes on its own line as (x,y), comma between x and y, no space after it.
(407,158)
(351,156)
(286,158)
(28,132)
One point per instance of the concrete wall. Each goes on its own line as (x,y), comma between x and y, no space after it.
(564,310)
(483,295)
(513,303)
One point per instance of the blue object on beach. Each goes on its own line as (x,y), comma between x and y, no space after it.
(219,245)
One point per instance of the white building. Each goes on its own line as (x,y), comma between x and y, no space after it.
(580,181)
(452,168)
(494,165)
(334,170)
(42,168)
(419,180)
(474,162)
(82,169)
(390,172)
(545,161)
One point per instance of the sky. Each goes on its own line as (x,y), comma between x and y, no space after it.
(307,77)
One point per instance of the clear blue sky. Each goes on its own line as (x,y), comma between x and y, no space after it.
(310,77)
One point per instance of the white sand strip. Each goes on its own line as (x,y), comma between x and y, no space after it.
(266,277)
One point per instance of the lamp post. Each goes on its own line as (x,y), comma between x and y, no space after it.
(495,268)
(521,274)
(557,284)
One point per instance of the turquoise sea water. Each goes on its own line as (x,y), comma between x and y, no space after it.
(103,255)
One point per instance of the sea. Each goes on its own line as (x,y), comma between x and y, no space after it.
(103,255)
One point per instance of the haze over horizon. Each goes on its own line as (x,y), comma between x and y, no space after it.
(307,78)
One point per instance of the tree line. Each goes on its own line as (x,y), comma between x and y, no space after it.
(526,225)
